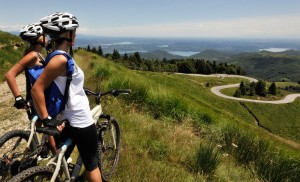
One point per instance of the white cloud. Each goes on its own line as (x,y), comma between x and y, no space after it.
(9,28)
(260,27)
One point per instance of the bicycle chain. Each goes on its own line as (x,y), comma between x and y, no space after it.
(36,152)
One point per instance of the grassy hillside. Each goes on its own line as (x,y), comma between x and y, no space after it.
(270,66)
(175,129)
(9,54)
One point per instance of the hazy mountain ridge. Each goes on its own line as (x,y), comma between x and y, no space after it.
(249,55)
(212,55)
(159,55)
(270,66)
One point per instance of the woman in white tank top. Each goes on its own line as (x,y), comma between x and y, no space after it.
(61,27)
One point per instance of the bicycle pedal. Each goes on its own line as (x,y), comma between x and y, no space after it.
(71,166)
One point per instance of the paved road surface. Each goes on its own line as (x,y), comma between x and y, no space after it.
(216,90)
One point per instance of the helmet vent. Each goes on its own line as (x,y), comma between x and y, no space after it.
(53,19)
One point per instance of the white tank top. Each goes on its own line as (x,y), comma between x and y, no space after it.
(77,110)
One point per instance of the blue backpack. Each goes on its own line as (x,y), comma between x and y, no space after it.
(55,100)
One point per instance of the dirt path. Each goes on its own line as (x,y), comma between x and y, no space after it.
(10,117)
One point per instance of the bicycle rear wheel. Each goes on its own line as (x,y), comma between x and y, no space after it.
(12,147)
(108,148)
(35,174)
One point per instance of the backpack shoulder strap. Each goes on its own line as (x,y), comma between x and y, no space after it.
(42,60)
(69,72)
(70,61)
(28,85)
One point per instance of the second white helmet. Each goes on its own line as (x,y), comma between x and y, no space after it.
(31,32)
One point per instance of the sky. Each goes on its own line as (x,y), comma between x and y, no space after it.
(252,19)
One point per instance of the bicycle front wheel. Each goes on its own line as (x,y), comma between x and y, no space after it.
(12,147)
(35,174)
(108,148)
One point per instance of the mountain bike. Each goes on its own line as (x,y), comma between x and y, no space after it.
(21,149)
(108,149)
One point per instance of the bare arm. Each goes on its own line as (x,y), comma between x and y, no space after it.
(56,67)
(27,61)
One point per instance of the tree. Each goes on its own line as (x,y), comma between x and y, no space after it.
(88,48)
(94,50)
(252,88)
(125,56)
(237,93)
(260,88)
(138,57)
(215,67)
(200,67)
(116,55)
(99,51)
(243,88)
(272,89)
(186,67)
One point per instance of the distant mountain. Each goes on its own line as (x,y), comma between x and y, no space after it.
(269,65)
(160,55)
(213,55)
(272,66)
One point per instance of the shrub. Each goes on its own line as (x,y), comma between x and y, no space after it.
(168,106)
(207,159)
(102,72)
(238,93)
(269,164)
(278,168)
(201,118)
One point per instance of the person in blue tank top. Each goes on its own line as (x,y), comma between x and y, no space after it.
(61,27)
(32,34)
(33,59)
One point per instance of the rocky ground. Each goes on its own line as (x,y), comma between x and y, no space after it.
(10,117)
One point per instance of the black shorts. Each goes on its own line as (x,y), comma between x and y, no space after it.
(86,141)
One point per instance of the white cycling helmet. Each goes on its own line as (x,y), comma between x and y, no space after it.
(59,22)
(31,32)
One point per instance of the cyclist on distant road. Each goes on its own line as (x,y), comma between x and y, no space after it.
(61,27)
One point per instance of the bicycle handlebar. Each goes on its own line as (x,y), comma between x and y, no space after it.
(111,92)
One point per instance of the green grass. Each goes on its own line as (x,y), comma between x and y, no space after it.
(8,55)
(166,118)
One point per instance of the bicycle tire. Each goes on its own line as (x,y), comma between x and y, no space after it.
(107,167)
(13,143)
(32,173)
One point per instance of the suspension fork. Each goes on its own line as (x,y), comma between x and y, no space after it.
(111,129)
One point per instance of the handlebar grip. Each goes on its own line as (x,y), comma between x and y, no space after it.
(118,92)
(48,130)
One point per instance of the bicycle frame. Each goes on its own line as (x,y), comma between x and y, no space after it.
(59,158)
(32,131)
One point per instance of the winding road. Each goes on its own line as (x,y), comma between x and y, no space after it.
(216,90)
